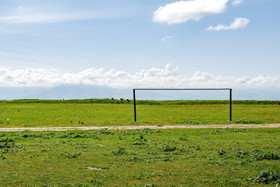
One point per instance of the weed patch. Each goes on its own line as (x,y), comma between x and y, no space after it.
(247,122)
(182,157)
(168,148)
(190,122)
(7,143)
(267,177)
(70,155)
(106,132)
(118,152)
(254,155)
(260,155)
(239,153)
(97,182)
(77,134)
(142,131)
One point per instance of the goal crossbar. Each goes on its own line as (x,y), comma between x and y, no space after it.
(213,89)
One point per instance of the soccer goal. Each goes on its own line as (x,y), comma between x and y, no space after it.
(205,89)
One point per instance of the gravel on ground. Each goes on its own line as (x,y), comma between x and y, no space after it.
(141,127)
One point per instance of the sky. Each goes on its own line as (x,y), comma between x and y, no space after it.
(147,43)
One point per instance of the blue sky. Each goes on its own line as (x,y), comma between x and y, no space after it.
(132,43)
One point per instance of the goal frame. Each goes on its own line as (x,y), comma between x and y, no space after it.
(198,89)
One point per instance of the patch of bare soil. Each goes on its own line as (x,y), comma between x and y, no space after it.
(142,127)
(93,168)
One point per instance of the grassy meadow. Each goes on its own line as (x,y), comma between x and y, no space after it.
(103,112)
(177,157)
(146,157)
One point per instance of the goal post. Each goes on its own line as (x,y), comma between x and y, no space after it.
(209,89)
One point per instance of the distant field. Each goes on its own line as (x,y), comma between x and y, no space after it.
(147,102)
(187,157)
(102,112)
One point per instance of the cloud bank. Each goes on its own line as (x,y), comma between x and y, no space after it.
(45,17)
(154,77)
(183,11)
(236,24)
(54,13)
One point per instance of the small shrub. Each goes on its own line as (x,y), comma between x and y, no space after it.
(247,122)
(184,138)
(120,137)
(267,177)
(6,143)
(259,155)
(80,145)
(72,135)
(224,154)
(240,153)
(221,152)
(168,148)
(180,151)
(102,131)
(188,122)
(141,138)
(217,132)
(119,151)
(70,155)
(236,130)
(221,163)
(6,140)
(196,147)
(97,182)
(39,135)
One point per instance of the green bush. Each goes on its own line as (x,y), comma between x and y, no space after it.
(268,177)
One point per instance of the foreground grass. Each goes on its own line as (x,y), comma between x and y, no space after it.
(193,157)
(32,114)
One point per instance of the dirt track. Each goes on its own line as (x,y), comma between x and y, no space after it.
(142,127)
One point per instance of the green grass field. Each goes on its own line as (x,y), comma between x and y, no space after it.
(44,113)
(178,157)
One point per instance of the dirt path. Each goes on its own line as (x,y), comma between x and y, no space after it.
(142,127)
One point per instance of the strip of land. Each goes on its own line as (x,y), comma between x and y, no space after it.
(142,127)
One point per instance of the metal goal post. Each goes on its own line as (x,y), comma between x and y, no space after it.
(229,89)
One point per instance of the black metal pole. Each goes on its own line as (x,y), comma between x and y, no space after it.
(134,101)
(230,104)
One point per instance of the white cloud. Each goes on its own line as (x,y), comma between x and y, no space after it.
(52,12)
(45,17)
(154,77)
(236,24)
(183,11)
(236,2)
(166,38)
